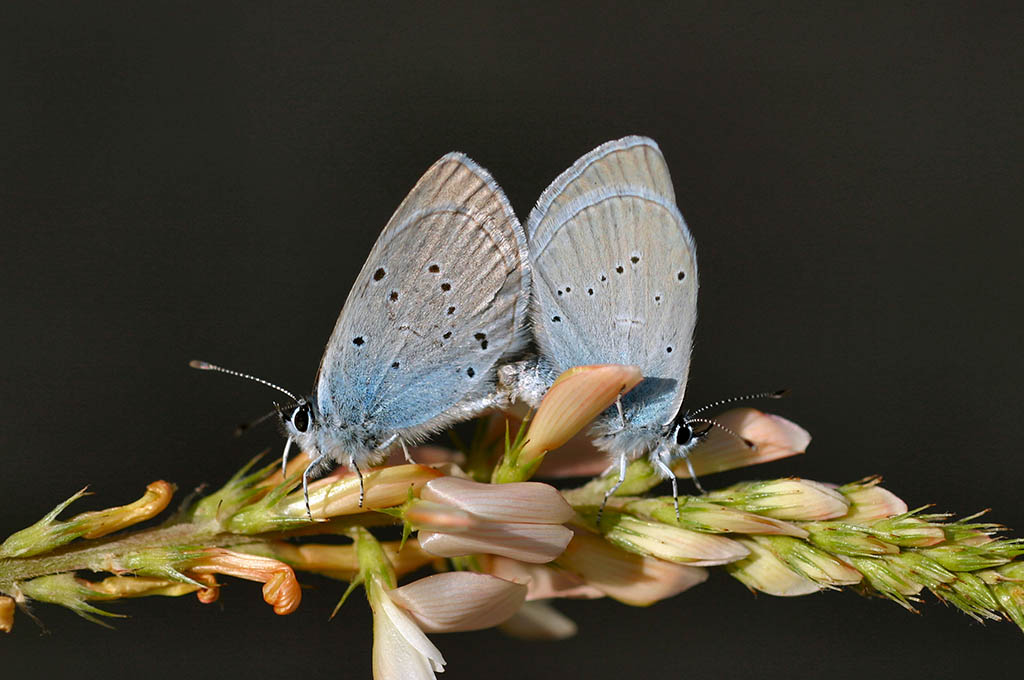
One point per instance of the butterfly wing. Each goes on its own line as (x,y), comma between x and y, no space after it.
(615,273)
(443,295)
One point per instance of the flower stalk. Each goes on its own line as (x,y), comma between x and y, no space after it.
(504,551)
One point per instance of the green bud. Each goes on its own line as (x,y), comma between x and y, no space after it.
(65,590)
(167,562)
(667,542)
(962,558)
(373,561)
(908,532)
(698,515)
(888,579)
(811,562)
(238,491)
(840,538)
(1011,600)
(764,571)
(46,534)
(268,513)
(921,569)
(970,594)
(786,499)
(1012,572)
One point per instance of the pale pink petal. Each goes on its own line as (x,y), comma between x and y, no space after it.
(873,502)
(459,600)
(572,401)
(539,621)
(543,582)
(529,502)
(773,437)
(624,576)
(400,649)
(537,543)
(430,516)
(765,572)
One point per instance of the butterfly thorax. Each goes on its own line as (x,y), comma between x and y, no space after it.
(628,438)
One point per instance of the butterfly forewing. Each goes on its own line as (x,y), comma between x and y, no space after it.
(615,272)
(441,298)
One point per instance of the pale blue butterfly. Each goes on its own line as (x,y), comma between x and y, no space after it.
(441,300)
(615,281)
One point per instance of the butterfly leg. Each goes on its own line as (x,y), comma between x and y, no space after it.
(622,416)
(284,458)
(661,466)
(405,450)
(693,475)
(305,482)
(359,473)
(611,492)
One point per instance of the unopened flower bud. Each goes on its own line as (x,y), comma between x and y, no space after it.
(668,542)
(869,502)
(909,532)
(1011,599)
(765,572)
(810,562)
(699,515)
(787,499)
(67,591)
(840,538)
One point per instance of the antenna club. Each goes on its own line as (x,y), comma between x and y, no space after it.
(778,394)
(205,366)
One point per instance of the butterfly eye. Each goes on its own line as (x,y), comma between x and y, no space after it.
(684,435)
(300,418)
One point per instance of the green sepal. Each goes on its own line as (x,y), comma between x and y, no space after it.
(263,516)
(353,584)
(236,492)
(44,535)
(65,590)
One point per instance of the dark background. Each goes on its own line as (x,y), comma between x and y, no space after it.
(204,180)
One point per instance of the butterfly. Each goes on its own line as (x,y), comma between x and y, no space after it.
(441,300)
(615,282)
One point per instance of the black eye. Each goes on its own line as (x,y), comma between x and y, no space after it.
(684,435)
(300,418)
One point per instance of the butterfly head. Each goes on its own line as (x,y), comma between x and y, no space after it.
(298,421)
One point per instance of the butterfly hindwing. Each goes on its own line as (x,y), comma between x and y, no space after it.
(615,272)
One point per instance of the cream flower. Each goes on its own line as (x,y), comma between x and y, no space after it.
(521,520)
(401,651)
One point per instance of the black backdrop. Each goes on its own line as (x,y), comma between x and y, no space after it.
(204,180)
